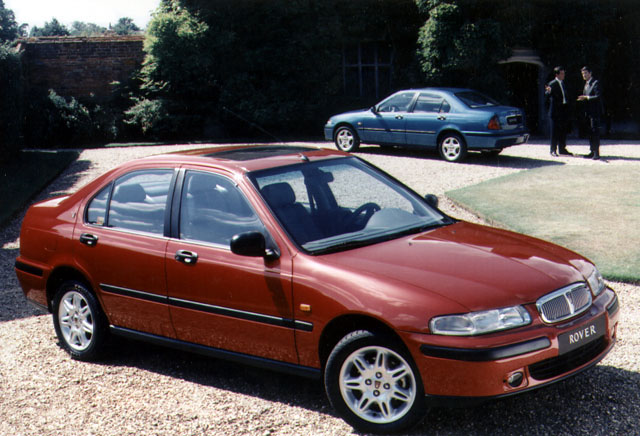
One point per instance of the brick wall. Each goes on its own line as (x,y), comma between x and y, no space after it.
(80,66)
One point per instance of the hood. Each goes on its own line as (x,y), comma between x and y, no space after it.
(475,266)
(355,111)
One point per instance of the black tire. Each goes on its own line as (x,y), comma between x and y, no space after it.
(79,321)
(362,383)
(452,147)
(346,139)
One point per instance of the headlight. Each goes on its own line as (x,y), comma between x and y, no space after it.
(478,323)
(329,122)
(596,282)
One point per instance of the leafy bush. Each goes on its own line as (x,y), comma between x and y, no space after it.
(58,122)
(148,115)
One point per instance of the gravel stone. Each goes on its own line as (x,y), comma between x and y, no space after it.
(140,389)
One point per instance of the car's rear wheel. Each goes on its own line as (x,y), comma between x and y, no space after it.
(346,139)
(452,147)
(79,322)
(373,384)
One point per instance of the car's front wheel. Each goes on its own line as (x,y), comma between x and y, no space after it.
(80,324)
(373,384)
(452,147)
(346,139)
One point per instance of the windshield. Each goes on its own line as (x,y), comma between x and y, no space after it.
(342,203)
(475,99)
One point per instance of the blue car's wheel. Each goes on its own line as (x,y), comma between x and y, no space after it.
(452,147)
(346,139)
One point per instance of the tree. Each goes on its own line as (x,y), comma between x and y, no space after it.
(80,28)
(52,28)
(9,29)
(460,45)
(125,26)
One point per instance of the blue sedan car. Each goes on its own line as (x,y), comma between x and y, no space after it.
(453,120)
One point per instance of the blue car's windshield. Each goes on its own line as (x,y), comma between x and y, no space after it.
(342,203)
(475,99)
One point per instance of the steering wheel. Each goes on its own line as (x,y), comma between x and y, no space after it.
(359,217)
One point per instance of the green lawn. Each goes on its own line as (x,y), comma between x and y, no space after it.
(594,210)
(26,176)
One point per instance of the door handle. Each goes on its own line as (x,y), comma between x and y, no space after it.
(88,239)
(186,257)
(399,117)
(442,117)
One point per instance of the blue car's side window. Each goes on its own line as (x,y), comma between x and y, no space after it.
(431,103)
(397,103)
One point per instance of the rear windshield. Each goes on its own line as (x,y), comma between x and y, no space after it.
(475,99)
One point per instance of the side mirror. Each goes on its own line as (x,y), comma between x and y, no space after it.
(374,109)
(431,200)
(252,244)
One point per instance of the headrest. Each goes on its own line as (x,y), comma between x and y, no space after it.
(279,194)
(133,193)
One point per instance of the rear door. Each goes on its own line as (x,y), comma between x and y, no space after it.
(429,115)
(120,244)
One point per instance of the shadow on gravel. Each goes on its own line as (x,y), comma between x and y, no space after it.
(220,374)
(504,161)
(601,401)
(13,304)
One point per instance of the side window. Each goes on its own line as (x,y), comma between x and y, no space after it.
(97,210)
(429,103)
(214,210)
(138,202)
(397,103)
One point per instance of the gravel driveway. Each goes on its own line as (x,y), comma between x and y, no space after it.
(144,390)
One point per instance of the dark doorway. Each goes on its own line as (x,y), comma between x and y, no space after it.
(523,86)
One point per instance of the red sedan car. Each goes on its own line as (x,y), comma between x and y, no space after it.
(314,262)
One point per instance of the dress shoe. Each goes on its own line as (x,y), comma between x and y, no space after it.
(589,156)
(554,154)
(565,153)
(596,157)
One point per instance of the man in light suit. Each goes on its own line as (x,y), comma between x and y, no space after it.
(558,101)
(592,98)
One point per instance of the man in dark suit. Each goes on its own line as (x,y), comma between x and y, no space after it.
(592,99)
(558,101)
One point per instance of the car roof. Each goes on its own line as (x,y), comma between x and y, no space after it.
(246,158)
(442,89)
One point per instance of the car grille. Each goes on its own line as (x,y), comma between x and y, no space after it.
(564,303)
(556,366)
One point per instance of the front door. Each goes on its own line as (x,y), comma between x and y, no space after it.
(217,298)
(386,125)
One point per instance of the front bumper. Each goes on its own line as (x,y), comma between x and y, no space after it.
(529,356)
(328,132)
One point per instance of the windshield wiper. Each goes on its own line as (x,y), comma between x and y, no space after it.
(346,245)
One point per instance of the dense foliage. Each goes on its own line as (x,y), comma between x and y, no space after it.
(11,102)
(255,66)
(9,29)
(462,42)
(50,28)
